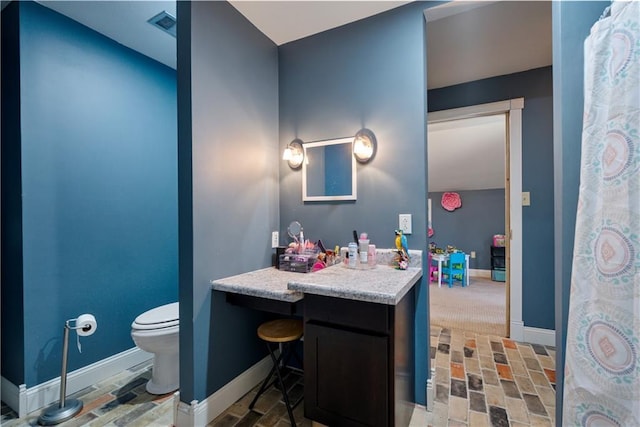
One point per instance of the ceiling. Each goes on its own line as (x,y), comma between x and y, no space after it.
(126,23)
(285,21)
(496,37)
(467,154)
(466,41)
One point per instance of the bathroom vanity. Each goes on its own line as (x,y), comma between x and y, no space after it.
(358,336)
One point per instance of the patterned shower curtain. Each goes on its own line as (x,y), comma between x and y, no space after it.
(602,371)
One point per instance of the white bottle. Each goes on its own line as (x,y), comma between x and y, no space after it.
(353,255)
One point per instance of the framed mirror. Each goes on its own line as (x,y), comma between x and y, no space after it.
(329,170)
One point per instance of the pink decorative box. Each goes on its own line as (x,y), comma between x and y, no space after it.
(499,240)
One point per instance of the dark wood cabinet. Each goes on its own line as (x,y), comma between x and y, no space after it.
(358,361)
(346,380)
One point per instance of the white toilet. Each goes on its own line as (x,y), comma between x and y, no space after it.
(156,331)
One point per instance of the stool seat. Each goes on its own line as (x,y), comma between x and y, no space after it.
(281,330)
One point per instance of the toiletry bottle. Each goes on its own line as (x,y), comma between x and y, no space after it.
(372,255)
(353,255)
(364,247)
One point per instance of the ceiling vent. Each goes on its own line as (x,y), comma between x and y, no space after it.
(165,21)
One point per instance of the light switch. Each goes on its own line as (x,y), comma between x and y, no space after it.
(526,198)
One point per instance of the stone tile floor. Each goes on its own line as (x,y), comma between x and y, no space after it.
(480,381)
(269,410)
(117,401)
(491,381)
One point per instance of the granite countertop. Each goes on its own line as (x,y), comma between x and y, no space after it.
(266,283)
(381,284)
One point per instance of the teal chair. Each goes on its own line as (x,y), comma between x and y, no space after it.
(455,268)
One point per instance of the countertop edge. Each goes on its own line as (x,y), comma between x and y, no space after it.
(359,295)
(288,296)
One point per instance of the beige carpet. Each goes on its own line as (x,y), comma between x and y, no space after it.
(479,307)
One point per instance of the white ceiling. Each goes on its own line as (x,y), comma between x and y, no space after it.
(285,21)
(495,37)
(467,154)
(124,22)
(466,41)
(281,21)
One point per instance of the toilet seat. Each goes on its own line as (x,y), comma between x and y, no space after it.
(165,316)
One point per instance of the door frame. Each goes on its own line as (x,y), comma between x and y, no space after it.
(512,109)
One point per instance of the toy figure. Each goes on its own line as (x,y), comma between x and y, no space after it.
(401,244)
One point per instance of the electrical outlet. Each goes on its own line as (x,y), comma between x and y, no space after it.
(526,198)
(275,239)
(473,254)
(404,221)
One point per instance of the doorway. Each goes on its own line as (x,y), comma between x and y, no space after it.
(512,111)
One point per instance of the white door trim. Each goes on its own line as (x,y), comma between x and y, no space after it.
(513,109)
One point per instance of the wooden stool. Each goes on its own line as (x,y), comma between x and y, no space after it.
(285,332)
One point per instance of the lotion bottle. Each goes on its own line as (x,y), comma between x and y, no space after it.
(364,248)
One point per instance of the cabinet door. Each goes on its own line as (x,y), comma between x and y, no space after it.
(346,376)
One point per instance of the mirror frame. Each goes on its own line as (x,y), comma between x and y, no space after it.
(306,146)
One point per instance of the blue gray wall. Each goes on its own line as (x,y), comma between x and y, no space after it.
(99,194)
(371,74)
(472,226)
(228,186)
(572,22)
(537,176)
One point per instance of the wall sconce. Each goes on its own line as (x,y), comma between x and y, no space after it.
(294,154)
(364,145)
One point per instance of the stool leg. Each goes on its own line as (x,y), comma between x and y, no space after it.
(264,385)
(283,389)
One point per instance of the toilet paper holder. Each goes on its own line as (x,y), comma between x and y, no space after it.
(65,409)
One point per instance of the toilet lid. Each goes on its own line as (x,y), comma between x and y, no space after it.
(164,316)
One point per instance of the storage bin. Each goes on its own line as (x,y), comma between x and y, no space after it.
(498,275)
(299,263)
(498,263)
(499,240)
(498,251)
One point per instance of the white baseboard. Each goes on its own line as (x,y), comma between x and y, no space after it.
(197,414)
(431,392)
(14,396)
(25,400)
(486,274)
(539,336)
(517,330)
